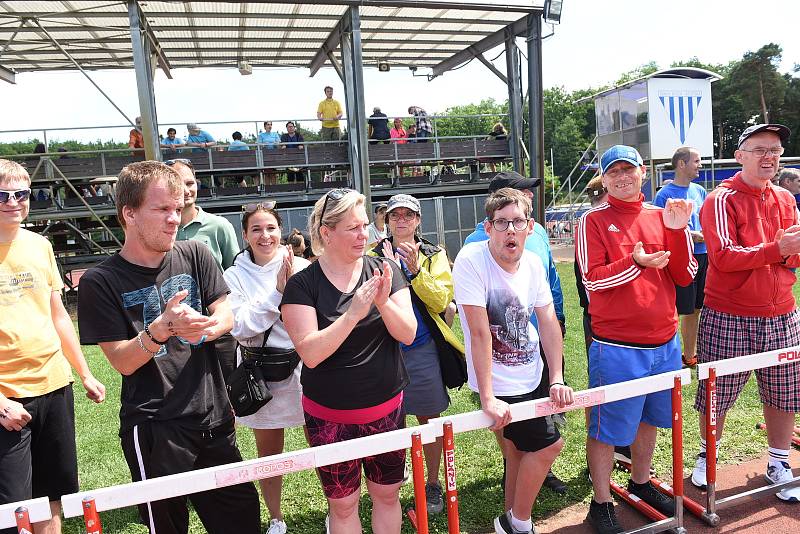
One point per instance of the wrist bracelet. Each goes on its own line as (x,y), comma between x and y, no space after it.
(150,335)
(141,345)
(557,384)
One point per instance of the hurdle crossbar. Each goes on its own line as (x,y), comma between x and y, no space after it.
(166,487)
(710,371)
(38,510)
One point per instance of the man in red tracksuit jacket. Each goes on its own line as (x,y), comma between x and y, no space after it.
(753,238)
(631,256)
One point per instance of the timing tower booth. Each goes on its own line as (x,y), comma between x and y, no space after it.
(657,114)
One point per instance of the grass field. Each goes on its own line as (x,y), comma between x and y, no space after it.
(479,465)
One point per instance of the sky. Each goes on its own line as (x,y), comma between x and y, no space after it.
(595,43)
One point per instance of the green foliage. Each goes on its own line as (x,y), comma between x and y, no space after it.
(456,123)
(70,145)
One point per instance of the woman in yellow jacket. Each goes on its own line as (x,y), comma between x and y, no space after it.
(435,360)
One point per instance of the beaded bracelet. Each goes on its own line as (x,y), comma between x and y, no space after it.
(141,344)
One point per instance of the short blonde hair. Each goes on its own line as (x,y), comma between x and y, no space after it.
(11,171)
(135,178)
(335,211)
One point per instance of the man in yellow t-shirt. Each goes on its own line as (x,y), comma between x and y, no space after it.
(329,112)
(38,456)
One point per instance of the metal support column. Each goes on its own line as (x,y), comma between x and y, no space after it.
(514,100)
(354,101)
(536,108)
(142,53)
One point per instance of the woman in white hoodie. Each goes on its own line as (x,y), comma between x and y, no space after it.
(257,279)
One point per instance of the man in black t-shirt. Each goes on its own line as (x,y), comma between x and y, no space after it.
(153,309)
(378,127)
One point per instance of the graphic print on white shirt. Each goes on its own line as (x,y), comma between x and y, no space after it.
(508,323)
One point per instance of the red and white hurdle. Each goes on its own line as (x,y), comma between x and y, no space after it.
(710,372)
(90,503)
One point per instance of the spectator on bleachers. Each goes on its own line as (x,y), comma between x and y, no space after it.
(422,122)
(40,148)
(345,315)
(411,136)
(171,142)
(378,127)
(269,138)
(199,138)
(257,281)
(329,112)
(398,134)
(237,143)
(498,133)
(293,140)
(135,138)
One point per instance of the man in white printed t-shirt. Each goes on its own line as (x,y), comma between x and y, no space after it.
(498,286)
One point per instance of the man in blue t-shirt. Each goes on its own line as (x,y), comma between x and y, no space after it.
(539,244)
(789,179)
(689,299)
(199,138)
(269,138)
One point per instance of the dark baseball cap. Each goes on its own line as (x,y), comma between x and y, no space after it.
(513,180)
(782,131)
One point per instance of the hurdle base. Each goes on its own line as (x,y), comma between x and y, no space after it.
(711,519)
(754,494)
(670,523)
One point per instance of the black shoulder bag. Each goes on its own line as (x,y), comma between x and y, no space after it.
(247,385)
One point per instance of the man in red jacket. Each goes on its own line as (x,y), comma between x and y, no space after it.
(753,239)
(631,256)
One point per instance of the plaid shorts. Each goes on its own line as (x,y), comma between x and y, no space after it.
(722,336)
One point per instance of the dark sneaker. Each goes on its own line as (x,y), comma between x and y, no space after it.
(554,483)
(603,518)
(649,494)
(502,525)
(434,498)
(623,454)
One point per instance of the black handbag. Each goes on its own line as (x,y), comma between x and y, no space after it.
(275,364)
(247,384)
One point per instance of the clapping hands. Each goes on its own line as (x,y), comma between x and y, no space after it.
(677,212)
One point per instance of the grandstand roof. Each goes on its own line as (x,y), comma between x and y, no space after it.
(266,33)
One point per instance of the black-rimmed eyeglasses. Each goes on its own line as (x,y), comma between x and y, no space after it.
(501,225)
(20,195)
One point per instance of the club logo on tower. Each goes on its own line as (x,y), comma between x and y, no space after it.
(681,109)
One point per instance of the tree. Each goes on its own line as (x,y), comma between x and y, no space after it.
(639,72)
(458,123)
(757,77)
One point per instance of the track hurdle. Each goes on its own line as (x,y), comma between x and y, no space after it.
(591,397)
(90,503)
(709,372)
(21,514)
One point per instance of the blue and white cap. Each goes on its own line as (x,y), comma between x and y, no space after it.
(620,153)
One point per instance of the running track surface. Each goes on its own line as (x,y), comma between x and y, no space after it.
(767,515)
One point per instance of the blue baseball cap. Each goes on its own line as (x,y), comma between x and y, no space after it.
(620,153)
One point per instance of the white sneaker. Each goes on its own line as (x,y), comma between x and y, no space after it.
(328,524)
(777,474)
(276,526)
(699,471)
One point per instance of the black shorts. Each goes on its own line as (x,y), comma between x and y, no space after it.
(535,434)
(41,460)
(690,298)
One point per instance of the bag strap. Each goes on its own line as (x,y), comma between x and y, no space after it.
(266,336)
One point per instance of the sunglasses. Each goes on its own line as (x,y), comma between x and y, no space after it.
(336,195)
(182,161)
(21,195)
(252,208)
